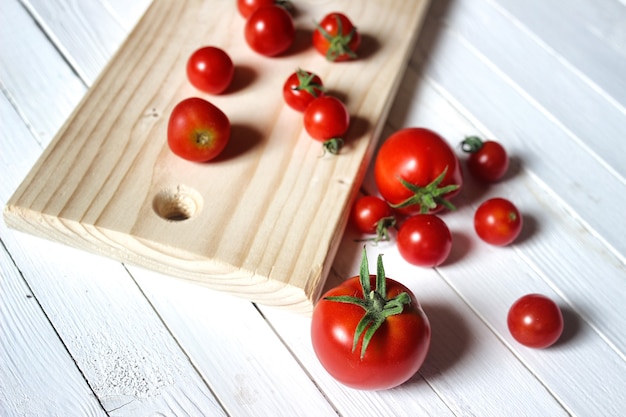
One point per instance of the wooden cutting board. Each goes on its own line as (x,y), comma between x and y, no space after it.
(264,220)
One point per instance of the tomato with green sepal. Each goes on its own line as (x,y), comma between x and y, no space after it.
(301,88)
(535,320)
(336,37)
(197,130)
(372,215)
(370,332)
(497,221)
(326,119)
(416,171)
(488,160)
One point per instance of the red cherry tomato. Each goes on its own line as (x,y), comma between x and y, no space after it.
(535,321)
(336,38)
(372,215)
(247,7)
(390,351)
(498,222)
(488,161)
(327,119)
(416,171)
(210,69)
(424,240)
(197,130)
(270,30)
(301,88)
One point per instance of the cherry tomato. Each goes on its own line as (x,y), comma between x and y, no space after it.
(210,69)
(488,161)
(336,38)
(416,171)
(197,130)
(498,222)
(535,321)
(270,30)
(424,240)
(301,88)
(326,119)
(372,215)
(395,343)
(247,7)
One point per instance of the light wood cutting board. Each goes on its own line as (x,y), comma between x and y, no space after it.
(264,220)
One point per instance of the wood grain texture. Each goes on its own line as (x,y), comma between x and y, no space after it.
(265,218)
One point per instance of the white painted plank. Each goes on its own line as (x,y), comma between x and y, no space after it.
(33,360)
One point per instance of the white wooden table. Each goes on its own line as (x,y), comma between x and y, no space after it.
(83,335)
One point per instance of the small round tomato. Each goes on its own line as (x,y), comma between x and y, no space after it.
(424,240)
(535,321)
(270,30)
(416,171)
(498,222)
(197,130)
(488,161)
(301,88)
(370,332)
(336,38)
(247,7)
(372,215)
(210,69)
(327,119)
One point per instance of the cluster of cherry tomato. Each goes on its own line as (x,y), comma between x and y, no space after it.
(199,131)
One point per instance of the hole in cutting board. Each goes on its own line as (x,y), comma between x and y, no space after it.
(177,203)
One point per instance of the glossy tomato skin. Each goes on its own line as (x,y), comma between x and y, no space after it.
(270,30)
(497,221)
(489,162)
(367,211)
(395,353)
(197,130)
(210,69)
(301,88)
(418,156)
(332,26)
(326,118)
(424,240)
(535,321)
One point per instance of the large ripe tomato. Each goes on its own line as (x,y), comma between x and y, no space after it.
(270,30)
(336,38)
(424,240)
(372,215)
(197,130)
(210,69)
(327,119)
(367,337)
(488,161)
(301,88)
(535,321)
(416,171)
(497,221)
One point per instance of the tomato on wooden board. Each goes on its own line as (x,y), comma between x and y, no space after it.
(197,130)
(210,69)
(247,7)
(301,88)
(424,240)
(488,160)
(336,38)
(498,221)
(536,321)
(270,30)
(370,332)
(327,119)
(372,215)
(416,171)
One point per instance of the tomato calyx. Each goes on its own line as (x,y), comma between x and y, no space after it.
(332,145)
(375,303)
(305,83)
(429,196)
(339,43)
(472,144)
(382,230)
